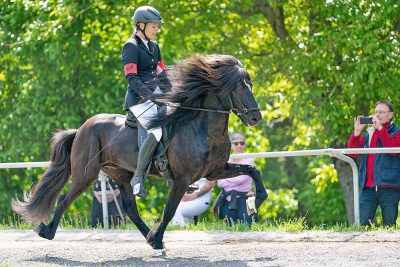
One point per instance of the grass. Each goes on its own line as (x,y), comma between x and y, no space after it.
(82,221)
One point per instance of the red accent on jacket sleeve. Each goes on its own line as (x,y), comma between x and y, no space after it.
(356,142)
(130,68)
(161,64)
(160,67)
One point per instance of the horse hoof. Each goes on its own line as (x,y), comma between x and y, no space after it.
(42,231)
(160,252)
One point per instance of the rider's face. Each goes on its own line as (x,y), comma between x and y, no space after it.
(152,29)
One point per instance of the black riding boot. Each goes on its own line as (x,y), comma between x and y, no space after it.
(144,159)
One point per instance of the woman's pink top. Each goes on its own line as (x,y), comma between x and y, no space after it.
(241,183)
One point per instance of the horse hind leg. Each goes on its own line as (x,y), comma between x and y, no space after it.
(64,201)
(48,231)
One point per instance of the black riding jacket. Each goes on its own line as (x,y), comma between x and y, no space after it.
(144,70)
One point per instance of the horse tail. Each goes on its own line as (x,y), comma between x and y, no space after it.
(38,204)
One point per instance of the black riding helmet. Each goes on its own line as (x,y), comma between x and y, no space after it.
(146,14)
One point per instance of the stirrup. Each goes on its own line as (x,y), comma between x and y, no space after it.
(138,187)
(162,164)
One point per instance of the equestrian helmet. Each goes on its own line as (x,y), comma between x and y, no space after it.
(146,14)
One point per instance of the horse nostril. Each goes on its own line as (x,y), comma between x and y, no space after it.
(254,121)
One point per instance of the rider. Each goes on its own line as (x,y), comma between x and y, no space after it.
(145,73)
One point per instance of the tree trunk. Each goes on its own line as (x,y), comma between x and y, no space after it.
(275,17)
(345,175)
(397,25)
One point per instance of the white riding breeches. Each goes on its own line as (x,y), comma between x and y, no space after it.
(144,113)
(188,209)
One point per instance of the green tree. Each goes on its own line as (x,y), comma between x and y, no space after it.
(314,65)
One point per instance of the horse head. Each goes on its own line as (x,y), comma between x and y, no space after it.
(220,78)
(243,103)
(236,94)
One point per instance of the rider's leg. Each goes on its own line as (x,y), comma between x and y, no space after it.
(144,113)
(144,159)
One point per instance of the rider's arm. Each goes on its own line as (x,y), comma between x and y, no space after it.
(130,56)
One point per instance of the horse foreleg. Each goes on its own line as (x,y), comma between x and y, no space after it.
(155,237)
(232,170)
(261,193)
(132,211)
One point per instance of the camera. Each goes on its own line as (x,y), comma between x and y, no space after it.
(366,120)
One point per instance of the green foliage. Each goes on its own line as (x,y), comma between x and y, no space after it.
(280,204)
(61,64)
(326,207)
(325,174)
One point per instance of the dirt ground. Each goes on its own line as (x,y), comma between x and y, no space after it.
(199,248)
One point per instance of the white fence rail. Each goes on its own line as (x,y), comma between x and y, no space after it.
(338,153)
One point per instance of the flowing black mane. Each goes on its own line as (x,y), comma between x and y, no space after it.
(192,80)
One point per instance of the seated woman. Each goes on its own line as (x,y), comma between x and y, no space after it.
(231,203)
(195,203)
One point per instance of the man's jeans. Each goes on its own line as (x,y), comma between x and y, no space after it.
(386,198)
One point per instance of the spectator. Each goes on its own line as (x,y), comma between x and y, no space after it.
(232,199)
(114,208)
(379,173)
(195,203)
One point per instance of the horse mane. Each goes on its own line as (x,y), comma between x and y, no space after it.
(192,80)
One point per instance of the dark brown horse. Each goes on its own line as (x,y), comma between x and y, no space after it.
(205,90)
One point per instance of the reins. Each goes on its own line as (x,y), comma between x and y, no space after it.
(200,109)
(241,112)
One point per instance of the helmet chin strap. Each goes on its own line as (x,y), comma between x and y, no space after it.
(144,31)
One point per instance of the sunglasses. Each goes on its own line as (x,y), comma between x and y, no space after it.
(239,143)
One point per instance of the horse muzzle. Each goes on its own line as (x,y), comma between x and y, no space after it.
(251,118)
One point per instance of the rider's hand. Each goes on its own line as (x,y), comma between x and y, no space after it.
(144,99)
(358,126)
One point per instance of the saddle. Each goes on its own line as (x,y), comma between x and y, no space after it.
(160,160)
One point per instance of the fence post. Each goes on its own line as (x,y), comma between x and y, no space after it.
(103,179)
(356,191)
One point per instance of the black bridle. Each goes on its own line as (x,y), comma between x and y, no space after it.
(240,111)
(243,110)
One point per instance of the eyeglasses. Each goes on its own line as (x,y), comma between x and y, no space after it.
(381,112)
(239,143)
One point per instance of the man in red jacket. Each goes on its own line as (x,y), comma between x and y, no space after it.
(379,173)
